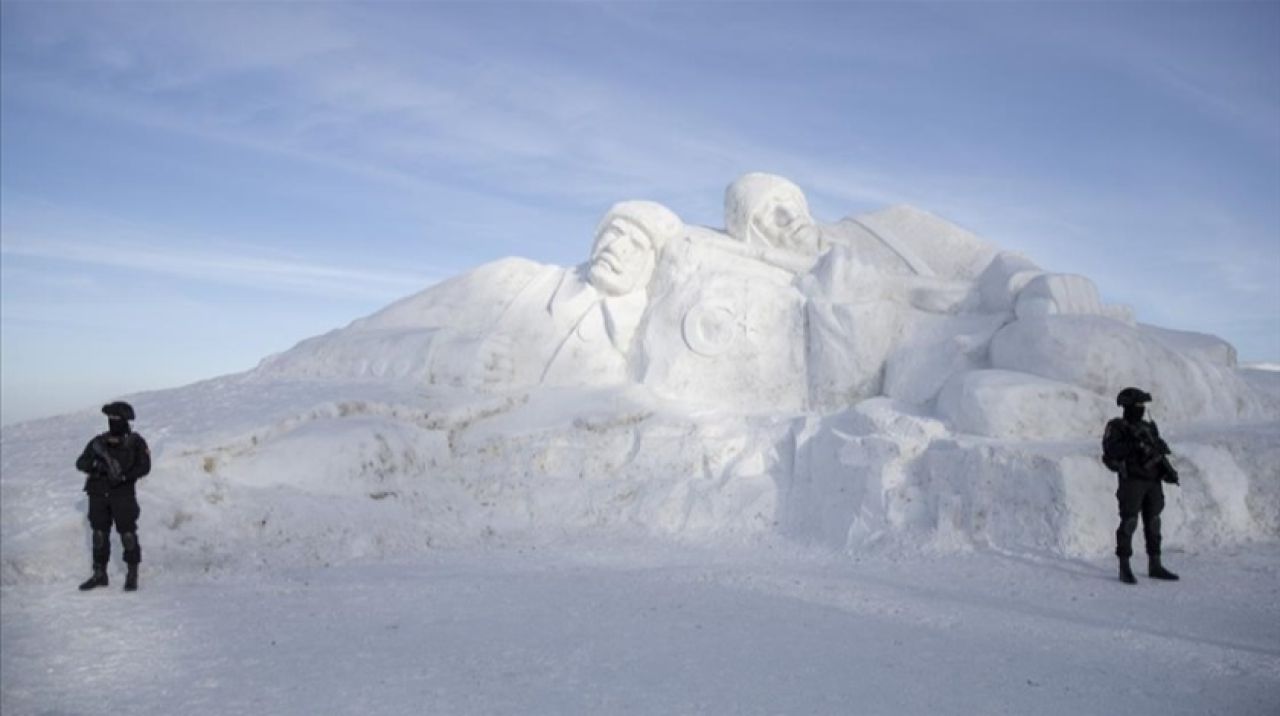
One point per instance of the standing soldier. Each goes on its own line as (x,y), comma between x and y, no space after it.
(1132,447)
(114,461)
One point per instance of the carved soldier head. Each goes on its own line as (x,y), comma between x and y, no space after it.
(768,210)
(628,241)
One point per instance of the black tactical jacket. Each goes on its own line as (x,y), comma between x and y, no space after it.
(130,453)
(1134,449)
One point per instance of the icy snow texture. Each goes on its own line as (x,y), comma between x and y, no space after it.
(886,382)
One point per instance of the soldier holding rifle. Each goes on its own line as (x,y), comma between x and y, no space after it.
(114,461)
(1133,448)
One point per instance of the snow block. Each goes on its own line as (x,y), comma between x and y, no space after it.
(1210,349)
(938,348)
(1019,406)
(1104,355)
(906,485)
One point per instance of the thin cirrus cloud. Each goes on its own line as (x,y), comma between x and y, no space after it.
(222,267)
(1213,71)
(502,122)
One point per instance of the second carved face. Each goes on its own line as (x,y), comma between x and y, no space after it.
(782,220)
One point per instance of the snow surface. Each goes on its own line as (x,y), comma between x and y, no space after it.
(892,408)
(614,629)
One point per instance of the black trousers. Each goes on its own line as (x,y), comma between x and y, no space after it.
(123,511)
(1143,498)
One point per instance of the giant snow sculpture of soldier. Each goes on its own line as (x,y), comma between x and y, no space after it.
(510,324)
(903,304)
(779,313)
(875,283)
(725,326)
(573,326)
(1132,447)
(113,462)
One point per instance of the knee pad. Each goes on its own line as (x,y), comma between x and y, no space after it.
(132,552)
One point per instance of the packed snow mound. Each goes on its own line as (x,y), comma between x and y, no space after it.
(887,382)
(1105,355)
(1210,349)
(397,342)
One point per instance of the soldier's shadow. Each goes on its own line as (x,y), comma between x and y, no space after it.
(1045,560)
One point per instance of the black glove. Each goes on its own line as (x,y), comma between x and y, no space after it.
(1171,476)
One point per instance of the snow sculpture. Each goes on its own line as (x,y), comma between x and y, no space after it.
(509,324)
(769,211)
(781,314)
(725,327)
(409,340)
(574,326)
(894,307)
(1104,355)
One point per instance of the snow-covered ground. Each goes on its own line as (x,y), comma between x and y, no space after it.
(648,629)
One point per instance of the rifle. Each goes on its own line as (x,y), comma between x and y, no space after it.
(115,474)
(1156,456)
(1161,466)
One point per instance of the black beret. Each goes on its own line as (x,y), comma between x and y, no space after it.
(1132,396)
(118,409)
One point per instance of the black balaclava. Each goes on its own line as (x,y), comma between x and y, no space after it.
(118,426)
(1133,413)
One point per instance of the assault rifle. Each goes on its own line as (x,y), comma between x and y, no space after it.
(115,474)
(1155,455)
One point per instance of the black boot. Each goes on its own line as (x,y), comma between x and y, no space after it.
(99,578)
(131,578)
(1157,571)
(1126,574)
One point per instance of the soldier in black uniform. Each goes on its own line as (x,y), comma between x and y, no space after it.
(114,461)
(1132,447)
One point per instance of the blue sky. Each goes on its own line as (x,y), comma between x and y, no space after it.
(186,188)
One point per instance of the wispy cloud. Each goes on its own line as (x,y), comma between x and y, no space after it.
(506,124)
(1219,59)
(31,229)
(258,272)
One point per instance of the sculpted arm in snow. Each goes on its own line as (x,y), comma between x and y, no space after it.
(1013,283)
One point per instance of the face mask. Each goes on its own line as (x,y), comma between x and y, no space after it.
(117,426)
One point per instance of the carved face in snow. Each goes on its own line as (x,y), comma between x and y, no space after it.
(783,221)
(627,244)
(623,257)
(769,210)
